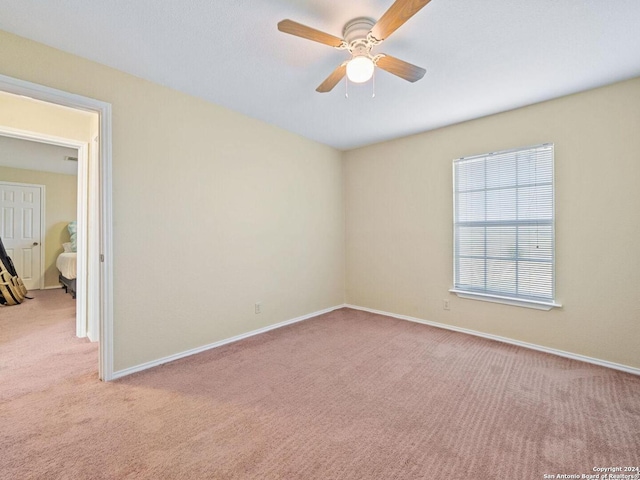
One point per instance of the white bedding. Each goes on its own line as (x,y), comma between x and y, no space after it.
(66,263)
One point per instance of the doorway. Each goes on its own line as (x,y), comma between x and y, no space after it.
(97,232)
(87,263)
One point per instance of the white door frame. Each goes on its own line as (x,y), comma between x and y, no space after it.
(104,209)
(43,190)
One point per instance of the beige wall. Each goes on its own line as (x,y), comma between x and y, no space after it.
(32,115)
(213,211)
(399,223)
(61,202)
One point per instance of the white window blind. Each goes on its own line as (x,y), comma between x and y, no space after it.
(504,224)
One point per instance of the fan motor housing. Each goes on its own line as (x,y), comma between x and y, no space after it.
(357,29)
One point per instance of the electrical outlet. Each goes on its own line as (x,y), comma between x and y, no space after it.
(258,307)
(446,305)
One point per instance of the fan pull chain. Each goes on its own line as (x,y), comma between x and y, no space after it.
(373,84)
(346,87)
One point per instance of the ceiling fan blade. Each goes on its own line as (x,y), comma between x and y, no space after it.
(398,14)
(333,79)
(299,30)
(401,68)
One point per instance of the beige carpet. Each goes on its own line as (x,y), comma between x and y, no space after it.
(348,395)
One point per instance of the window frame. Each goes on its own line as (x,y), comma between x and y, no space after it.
(487,296)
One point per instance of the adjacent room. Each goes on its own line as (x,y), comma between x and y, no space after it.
(24,165)
(360,240)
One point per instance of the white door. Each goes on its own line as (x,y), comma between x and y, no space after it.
(20,229)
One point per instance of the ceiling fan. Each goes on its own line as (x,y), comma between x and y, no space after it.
(360,36)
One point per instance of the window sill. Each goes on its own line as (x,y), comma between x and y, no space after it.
(506,300)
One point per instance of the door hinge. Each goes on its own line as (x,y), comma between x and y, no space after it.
(102,257)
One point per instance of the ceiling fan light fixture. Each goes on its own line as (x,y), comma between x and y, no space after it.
(360,69)
(360,35)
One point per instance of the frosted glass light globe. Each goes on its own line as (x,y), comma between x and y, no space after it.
(360,69)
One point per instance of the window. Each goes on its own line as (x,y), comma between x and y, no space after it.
(504,227)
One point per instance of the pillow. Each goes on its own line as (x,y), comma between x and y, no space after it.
(73,231)
(67,247)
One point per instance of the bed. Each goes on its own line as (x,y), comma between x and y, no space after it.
(66,264)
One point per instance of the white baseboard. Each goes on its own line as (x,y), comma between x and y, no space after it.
(52,287)
(531,346)
(193,351)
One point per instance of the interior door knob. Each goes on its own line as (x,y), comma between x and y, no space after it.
(35,244)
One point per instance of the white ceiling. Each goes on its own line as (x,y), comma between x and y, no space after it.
(481,56)
(28,155)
